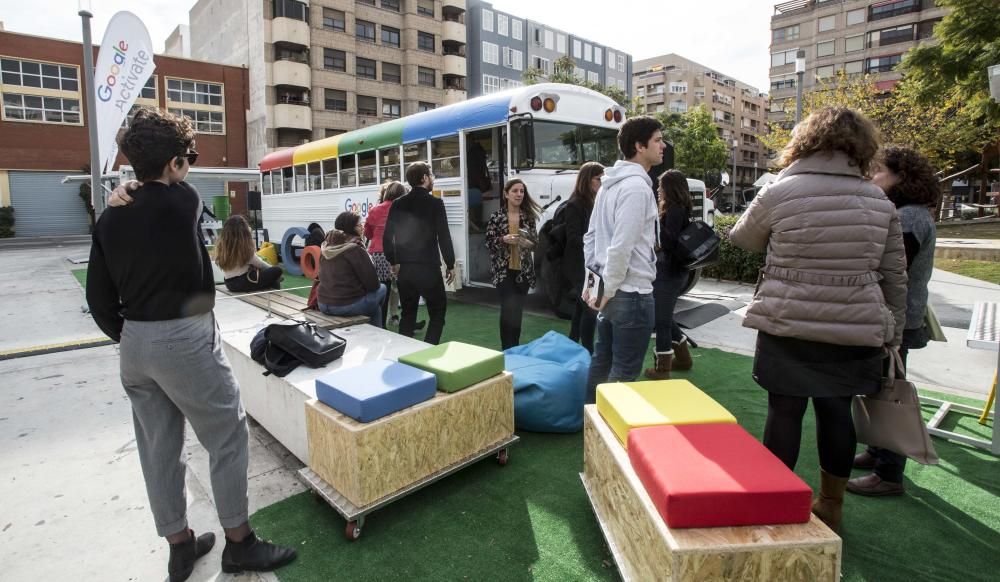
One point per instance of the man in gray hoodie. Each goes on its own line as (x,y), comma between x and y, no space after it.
(619,246)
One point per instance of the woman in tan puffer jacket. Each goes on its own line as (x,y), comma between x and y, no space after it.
(832,293)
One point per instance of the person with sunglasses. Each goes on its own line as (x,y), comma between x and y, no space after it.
(150,288)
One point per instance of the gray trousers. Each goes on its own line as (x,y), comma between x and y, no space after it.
(172,370)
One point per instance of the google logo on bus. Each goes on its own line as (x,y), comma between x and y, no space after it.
(359,208)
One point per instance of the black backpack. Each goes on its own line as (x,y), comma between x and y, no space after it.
(281,348)
(554,233)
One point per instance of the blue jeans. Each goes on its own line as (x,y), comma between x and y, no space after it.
(623,330)
(370,305)
(666,289)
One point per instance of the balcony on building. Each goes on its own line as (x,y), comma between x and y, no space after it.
(453,48)
(292,113)
(453,30)
(454,66)
(291,137)
(452,6)
(291,67)
(291,23)
(454,88)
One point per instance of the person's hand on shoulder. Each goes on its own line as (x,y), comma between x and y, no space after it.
(120,197)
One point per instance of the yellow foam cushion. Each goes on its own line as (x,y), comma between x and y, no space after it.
(628,405)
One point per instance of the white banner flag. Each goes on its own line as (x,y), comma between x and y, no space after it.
(124,64)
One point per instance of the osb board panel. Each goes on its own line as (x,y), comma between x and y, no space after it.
(651,550)
(368,461)
(290,306)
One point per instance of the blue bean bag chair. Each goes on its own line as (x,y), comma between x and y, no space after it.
(290,254)
(550,380)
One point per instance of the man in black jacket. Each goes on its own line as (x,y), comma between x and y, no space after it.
(416,228)
(150,287)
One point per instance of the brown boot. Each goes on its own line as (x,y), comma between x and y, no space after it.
(662,369)
(829,506)
(682,356)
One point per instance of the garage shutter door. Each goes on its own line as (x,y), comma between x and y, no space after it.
(208,188)
(45,207)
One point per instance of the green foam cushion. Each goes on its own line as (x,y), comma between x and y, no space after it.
(456,365)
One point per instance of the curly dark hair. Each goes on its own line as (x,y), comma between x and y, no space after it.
(917,183)
(834,129)
(637,130)
(152,139)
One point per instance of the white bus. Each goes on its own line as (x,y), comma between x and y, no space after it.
(538,133)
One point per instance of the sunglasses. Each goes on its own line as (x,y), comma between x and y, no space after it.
(192,157)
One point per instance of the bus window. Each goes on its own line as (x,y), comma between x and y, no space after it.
(265,183)
(522,144)
(300,178)
(330,173)
(564,146)
(286,181)
(445,157)
(388,164)
(347,173)
(366,169)
(414,152)
(315,177)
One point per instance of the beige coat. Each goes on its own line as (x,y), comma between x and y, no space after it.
(836,268)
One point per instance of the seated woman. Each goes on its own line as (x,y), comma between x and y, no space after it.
(236,255)
(348,283)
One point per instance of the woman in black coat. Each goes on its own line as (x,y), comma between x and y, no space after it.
(576,215)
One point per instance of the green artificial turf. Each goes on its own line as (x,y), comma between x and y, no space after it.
(531,520)
(81,276)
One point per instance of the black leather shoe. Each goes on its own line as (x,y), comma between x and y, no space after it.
(420,325)
(184,555)
(254,555)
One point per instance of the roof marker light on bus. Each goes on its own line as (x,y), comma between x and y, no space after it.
(513,109)
(608,116)
(550,105)
(536,103)
(618,115)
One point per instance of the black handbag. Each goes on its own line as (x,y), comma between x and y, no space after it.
(306,342)
(698,245)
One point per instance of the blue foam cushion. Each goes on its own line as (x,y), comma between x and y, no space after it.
(375,389)
(550,381)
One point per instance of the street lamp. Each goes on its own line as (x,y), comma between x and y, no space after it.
(800,72)
(96,195)
(736,143)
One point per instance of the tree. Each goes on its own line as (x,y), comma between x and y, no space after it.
(698,149)
(934,129)
(563,72)
(953,71)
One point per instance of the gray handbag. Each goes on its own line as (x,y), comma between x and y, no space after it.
(891,418)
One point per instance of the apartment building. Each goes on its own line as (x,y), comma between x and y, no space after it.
(502,46)
(324,67)
(45,135)
(854,36)
(672,83)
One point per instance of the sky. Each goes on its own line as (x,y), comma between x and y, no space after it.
(730,36)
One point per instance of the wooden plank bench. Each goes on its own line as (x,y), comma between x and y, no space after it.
(644,548)
(288,305)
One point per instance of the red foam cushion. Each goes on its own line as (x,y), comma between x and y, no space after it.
(715,475)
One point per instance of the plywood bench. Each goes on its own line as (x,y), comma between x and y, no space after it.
(278,404)
(366,462)
(646,549)
(288,305)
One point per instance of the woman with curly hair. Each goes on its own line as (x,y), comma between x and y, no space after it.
(510,237)
(907,178)
(235,253)
(832,294)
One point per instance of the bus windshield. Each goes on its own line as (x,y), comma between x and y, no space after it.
(563,146)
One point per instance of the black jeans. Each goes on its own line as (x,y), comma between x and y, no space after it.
(583,325)
(667,288)
(835,437)
(255,280)
(416,281)
(512,296)
(889,465)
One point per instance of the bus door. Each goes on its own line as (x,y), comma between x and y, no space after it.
(484,179)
